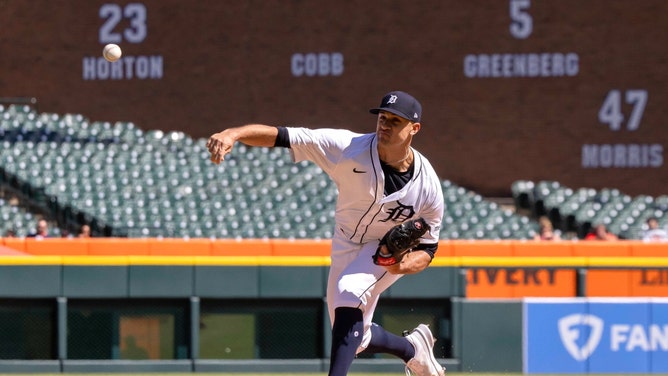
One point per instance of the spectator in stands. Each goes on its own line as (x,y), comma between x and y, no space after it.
(84,232)
(42,230)
(654,233)
(600,232)
(10,233)
(546,230)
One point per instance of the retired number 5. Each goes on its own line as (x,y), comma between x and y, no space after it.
(521,24)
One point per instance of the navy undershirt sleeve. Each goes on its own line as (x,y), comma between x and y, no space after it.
(283,138)
(429,248)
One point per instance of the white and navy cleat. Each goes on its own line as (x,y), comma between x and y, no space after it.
(423,363)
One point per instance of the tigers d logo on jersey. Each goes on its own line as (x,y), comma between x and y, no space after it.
(400,213)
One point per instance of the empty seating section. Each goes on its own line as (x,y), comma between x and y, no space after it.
(469,216)
(155,183)
(134,183)
(16,219)
(578,210)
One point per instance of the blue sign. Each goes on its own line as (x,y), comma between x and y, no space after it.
(658,333)
(595,335)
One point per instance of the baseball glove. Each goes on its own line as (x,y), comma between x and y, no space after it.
(400,240)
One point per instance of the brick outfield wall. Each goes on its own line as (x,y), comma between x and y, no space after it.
(200,67)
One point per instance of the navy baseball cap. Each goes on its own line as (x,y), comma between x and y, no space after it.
(401,104)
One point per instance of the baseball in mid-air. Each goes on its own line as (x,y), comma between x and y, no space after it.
(112,52)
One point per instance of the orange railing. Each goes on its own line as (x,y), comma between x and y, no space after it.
(166,247)
(285,247)
(494,269)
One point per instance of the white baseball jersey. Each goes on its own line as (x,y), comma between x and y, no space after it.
(363,214)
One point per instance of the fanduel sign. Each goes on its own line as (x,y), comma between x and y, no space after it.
(570,332)
(596,336)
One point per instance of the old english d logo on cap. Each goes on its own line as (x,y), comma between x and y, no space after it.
(401,104)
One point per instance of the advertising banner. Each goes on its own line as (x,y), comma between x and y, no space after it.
(626,282)
(520,282)
(585,335)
